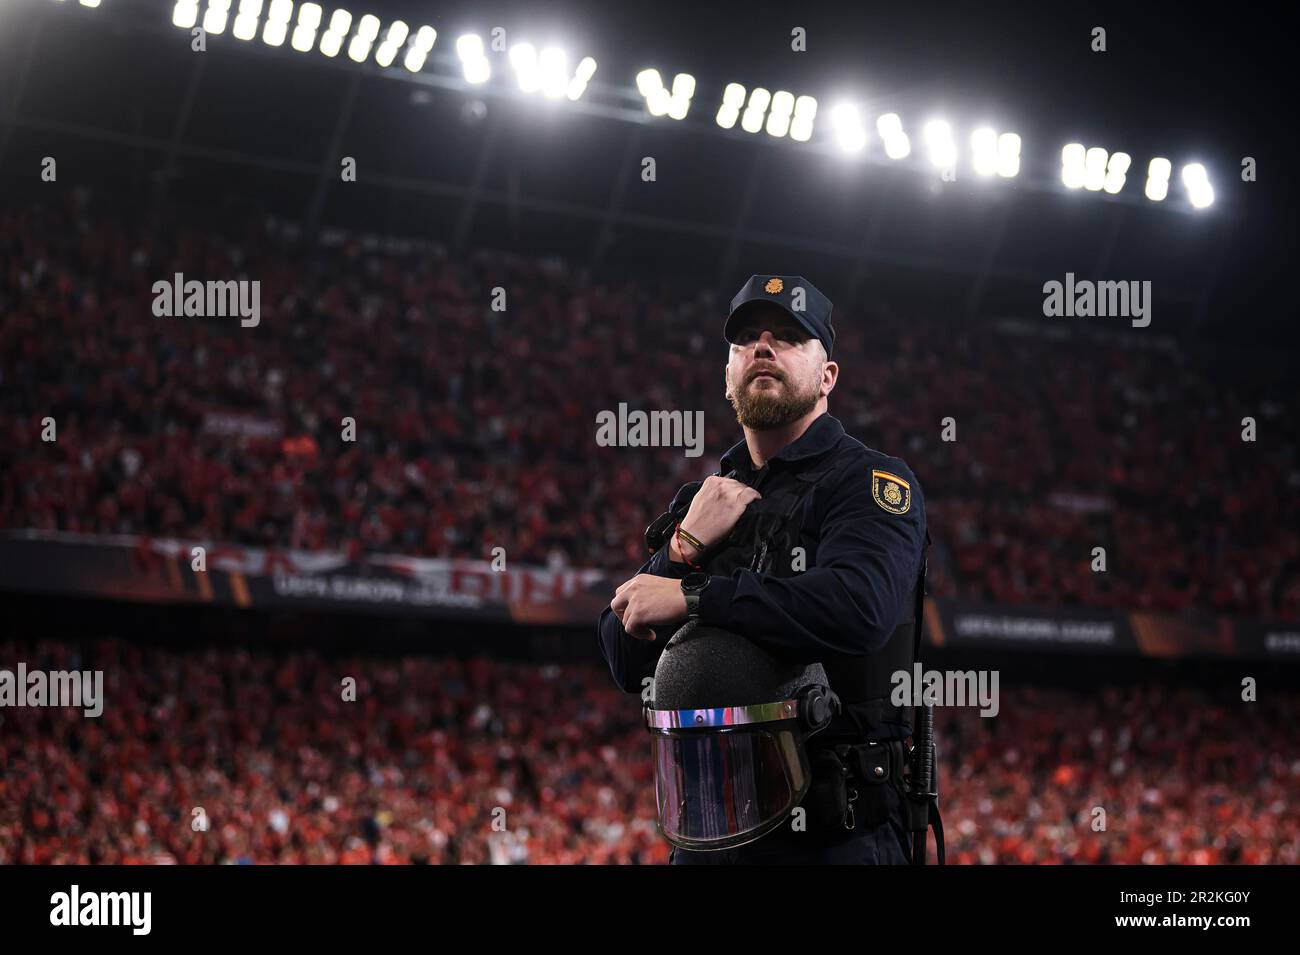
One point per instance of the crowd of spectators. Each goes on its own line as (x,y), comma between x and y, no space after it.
(430,761)
(1138,774)
(476,428)
(478,761)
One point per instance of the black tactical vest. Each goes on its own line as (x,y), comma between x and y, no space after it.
(763,540)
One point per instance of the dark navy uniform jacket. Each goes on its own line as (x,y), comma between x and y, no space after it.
(863,534)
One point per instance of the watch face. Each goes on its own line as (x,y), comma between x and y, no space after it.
(694,581)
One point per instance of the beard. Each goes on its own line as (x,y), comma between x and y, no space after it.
(772,407)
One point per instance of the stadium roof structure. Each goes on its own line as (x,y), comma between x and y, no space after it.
(117,94)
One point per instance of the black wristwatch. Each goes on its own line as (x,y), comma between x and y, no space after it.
(692,586)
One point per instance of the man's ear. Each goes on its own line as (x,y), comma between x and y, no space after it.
(835,374)
(726,378)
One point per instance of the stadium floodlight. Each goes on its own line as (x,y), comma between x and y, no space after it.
(185,14)
(984,151)
(890,128)
(1115,172)
(364,38)
(304,34)
(683,90)
(650,85)
(647,81)
(332,40)
(805,111)
(586,70)
(993,154)
(1157,186)
(752,120)
(1094,168)
(393,40)
(277,22)
(246,20)
(733,98)
(659,102)
(1008,155)
(846,124)
(214,20)
(478,71)
(469,47)
(90,3)
(553,65)
(778,117)
(938,139)
(523,57)
(1072,165)
(1197,183)
(418,52)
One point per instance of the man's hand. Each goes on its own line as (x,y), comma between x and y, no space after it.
(648,601)
(716,507)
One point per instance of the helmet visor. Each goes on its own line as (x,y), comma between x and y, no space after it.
(721,788)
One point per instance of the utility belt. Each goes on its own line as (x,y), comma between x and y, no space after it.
(850,783)
(855,787)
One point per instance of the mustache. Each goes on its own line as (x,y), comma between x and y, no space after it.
(765,371)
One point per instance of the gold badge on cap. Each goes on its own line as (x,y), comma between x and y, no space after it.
(773,286)
(891,492)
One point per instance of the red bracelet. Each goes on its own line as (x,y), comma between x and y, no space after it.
(677,532)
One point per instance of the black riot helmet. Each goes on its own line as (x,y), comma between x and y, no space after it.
(728,723)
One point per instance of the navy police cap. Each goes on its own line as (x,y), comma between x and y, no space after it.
(794,295)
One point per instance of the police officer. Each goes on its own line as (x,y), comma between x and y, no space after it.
(812,546)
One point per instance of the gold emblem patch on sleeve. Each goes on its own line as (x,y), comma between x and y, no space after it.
(891,492)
